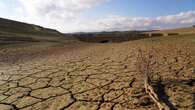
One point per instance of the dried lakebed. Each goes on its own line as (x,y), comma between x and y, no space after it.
(97,77)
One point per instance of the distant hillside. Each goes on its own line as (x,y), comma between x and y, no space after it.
(14,32)
(187,30)
(109,37)
(15,27)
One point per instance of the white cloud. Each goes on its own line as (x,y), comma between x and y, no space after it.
(120,23)
(58,8)
(60,14)
(66,16)
(181,18)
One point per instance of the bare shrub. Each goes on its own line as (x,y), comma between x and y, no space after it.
(150,64)
(147,62)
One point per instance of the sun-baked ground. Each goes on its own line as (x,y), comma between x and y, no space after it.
(86,76)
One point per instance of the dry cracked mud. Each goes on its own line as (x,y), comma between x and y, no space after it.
(93,77)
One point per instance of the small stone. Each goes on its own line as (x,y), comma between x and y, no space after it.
(135,101)
(193,70)
(145,101)
(125,67)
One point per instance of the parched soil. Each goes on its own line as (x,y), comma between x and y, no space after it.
(86,76)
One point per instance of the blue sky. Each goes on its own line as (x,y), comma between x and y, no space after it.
(143,8)
(101,15)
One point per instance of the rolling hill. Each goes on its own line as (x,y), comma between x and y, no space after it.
(14,32)
(15,27)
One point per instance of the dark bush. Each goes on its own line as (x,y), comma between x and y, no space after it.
(157,34)
(172,34)
(104,41)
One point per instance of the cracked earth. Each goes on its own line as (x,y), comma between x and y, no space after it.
(95,77)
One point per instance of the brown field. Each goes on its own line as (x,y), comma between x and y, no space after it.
(73,75)
(188,30)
